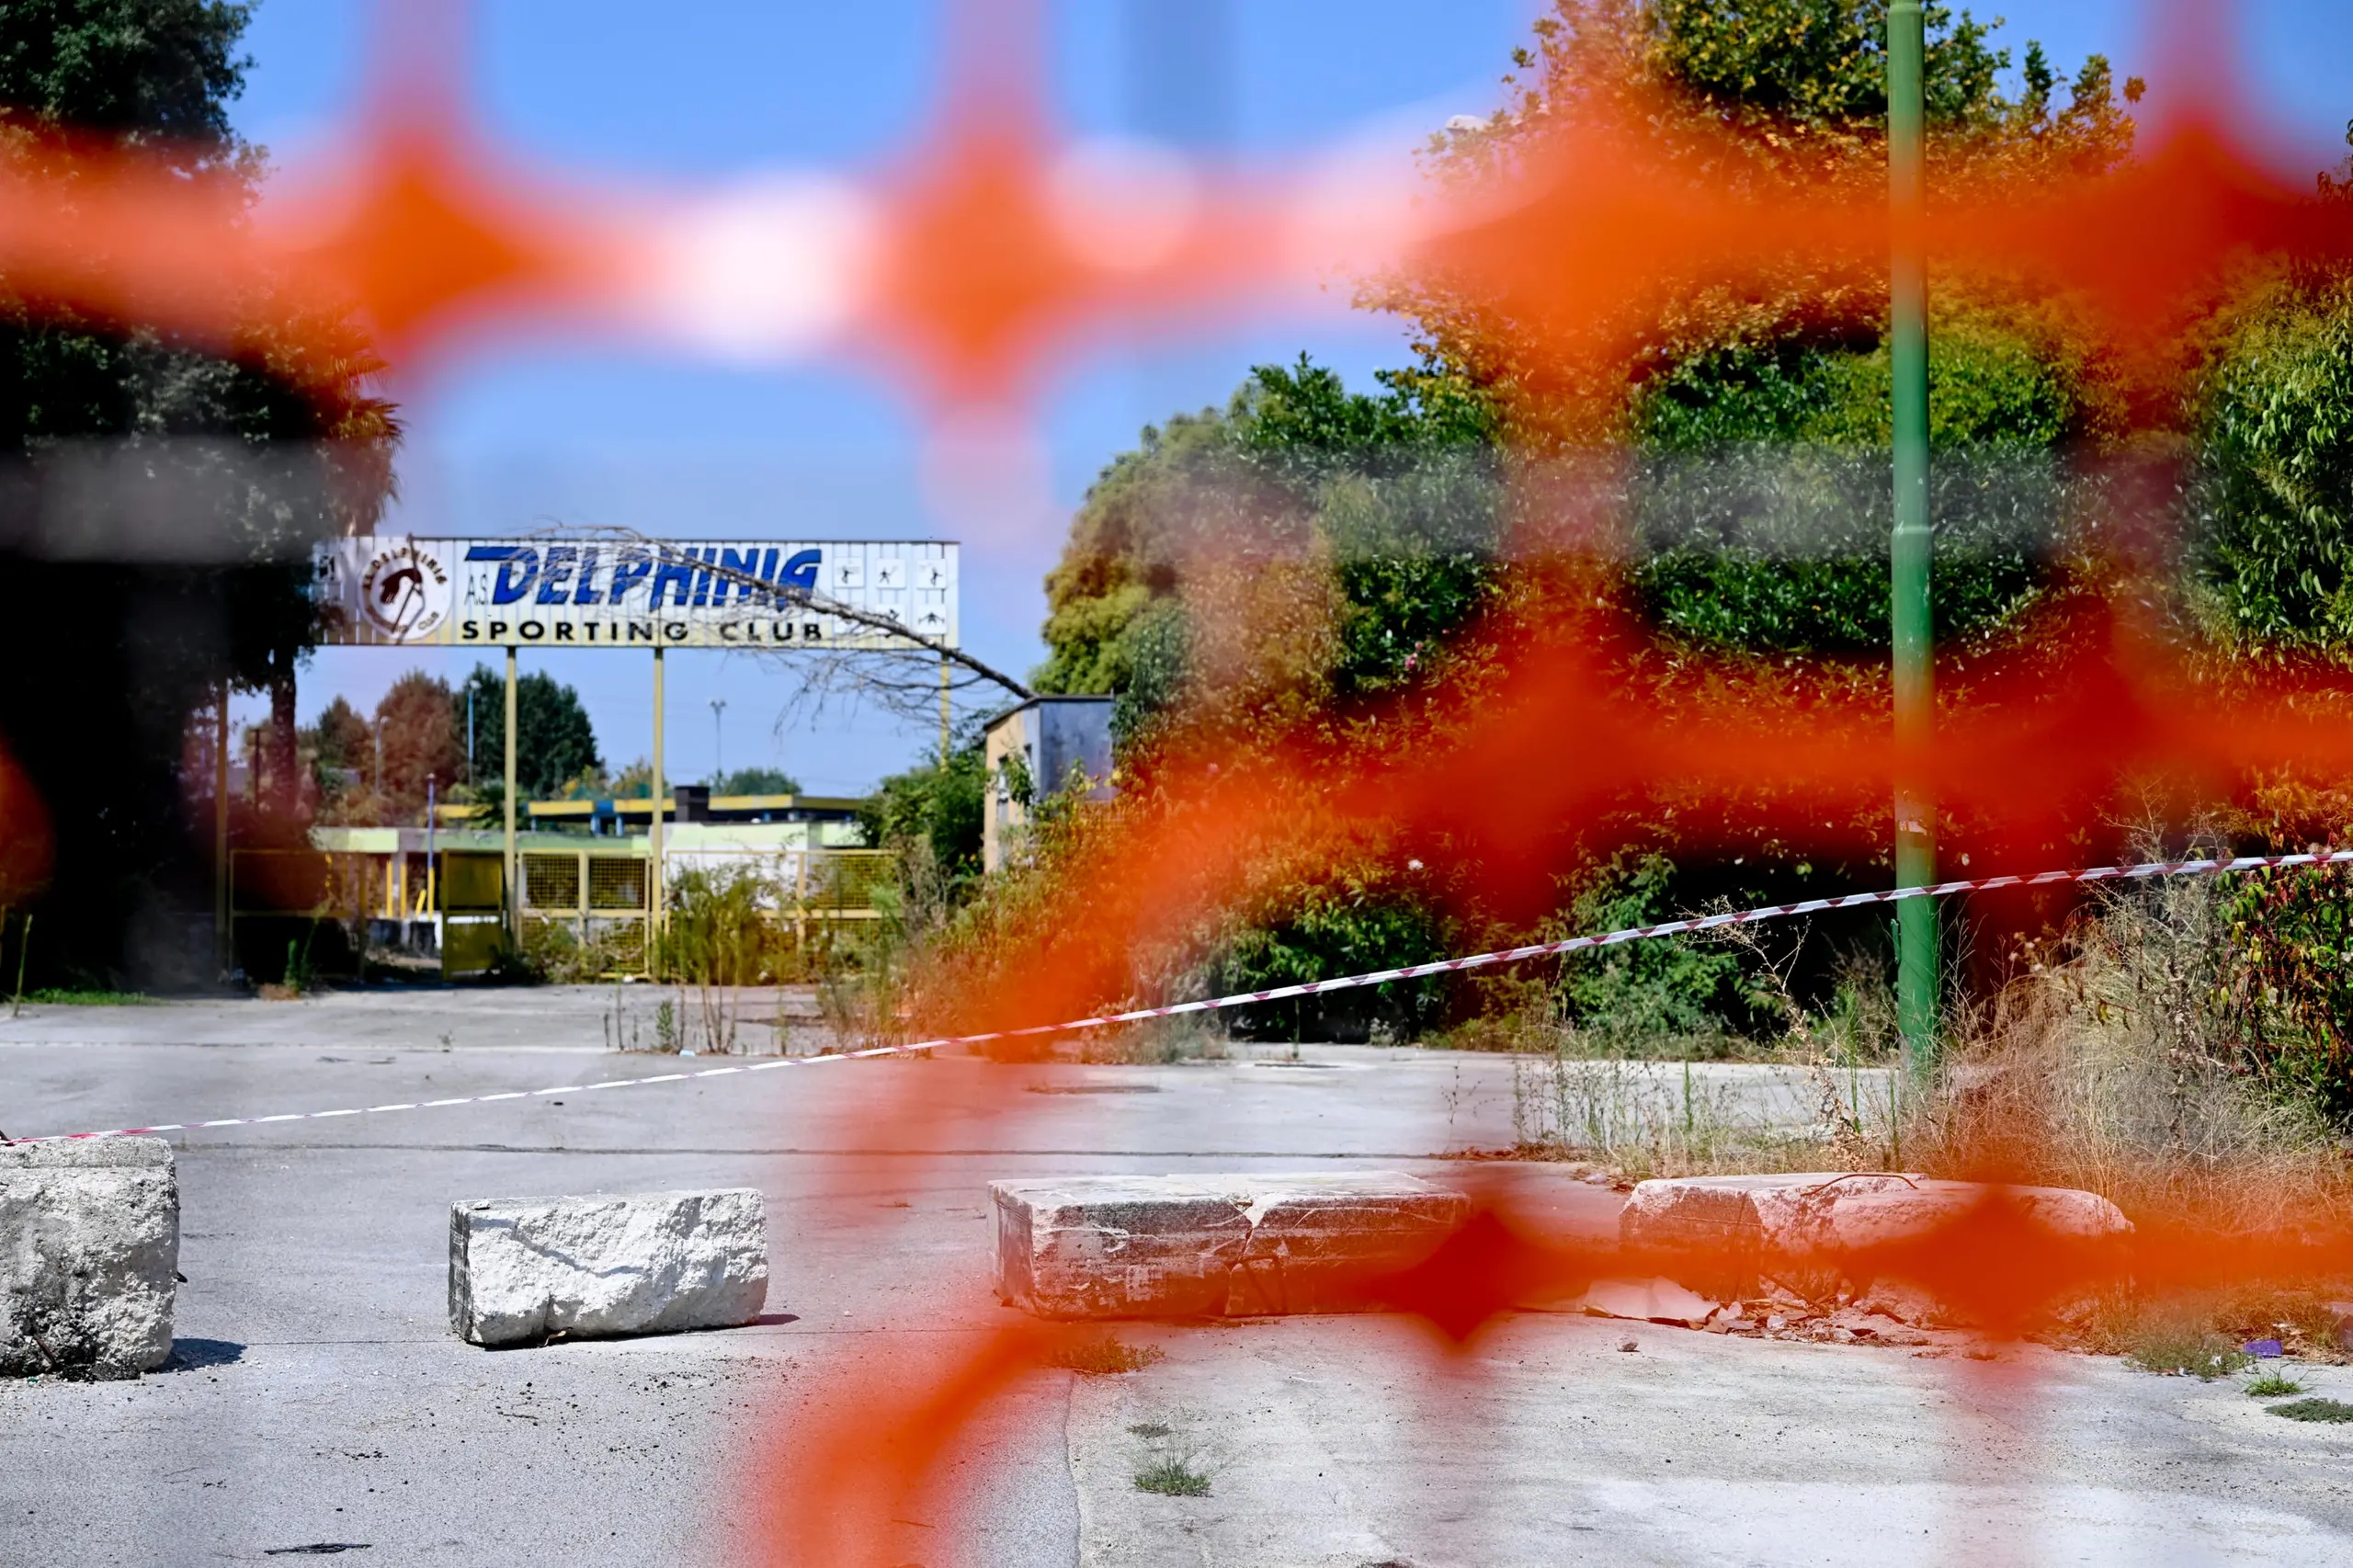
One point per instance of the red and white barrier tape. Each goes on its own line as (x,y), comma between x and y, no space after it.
(1674,927)
(1309,988)
(766,1066)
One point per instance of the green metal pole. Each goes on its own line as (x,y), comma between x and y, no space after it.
(1916,846)
(514,899)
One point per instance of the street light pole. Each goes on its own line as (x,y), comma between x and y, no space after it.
(1910,547)
(432,864)
(718,743)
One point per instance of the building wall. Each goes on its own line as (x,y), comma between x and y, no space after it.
(1050,736)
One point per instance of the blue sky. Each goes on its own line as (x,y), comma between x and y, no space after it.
(699,92)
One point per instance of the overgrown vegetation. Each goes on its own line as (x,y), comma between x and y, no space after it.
(1331,579)
(1313,568)
(553,953)
(2174,1347)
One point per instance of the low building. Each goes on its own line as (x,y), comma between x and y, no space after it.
(440,892)
(1045,746)
(832,819)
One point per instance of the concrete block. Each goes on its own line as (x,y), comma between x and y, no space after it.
(1802,1229)
(89,1247)
(1213,1246)
(523,1269)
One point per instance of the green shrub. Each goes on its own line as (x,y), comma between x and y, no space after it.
(2316,1410)
(1362,918)
(1641,994)
(2289,982)
(552,953)
(1763,508)
(940,806)
(2276,503)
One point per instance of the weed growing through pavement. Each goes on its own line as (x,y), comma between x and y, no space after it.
(1175,1463)
(2271,1385)
(2333,1410)
(1102,1355)
(1172,1477)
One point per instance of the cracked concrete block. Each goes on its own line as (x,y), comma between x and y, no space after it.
(524,1269)
(1213,1245)
(1648,1301)
(1726,1235)
(89,1247)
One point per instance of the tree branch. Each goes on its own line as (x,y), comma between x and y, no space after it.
(835,608)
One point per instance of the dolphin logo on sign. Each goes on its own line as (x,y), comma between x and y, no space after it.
(404,593)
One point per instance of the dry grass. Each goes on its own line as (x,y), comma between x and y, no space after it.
(1190,1037)
(1103,1354)
(1649,1118)
(1575,1095)
(2111,1068)
(2116,1072)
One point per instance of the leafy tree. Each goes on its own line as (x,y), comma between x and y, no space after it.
(1278,567)
(1355,530)
(1775,96)
(1365,914)
(936,808)
(249,448)
(2276,496)
(756,781)
(424,748)
(554,742)
(634,782)
(1358,533)
(150,74)
(1771,555)
(1123,554)
(342,738)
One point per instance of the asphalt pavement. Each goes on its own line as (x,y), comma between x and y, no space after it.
(317,1399)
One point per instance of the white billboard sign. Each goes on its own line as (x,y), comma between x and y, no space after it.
(400,591)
